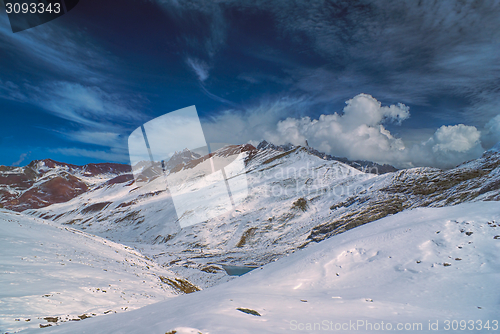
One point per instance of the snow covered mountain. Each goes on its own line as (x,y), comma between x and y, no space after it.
(362,165)
(477,180)
(423,270)
(45,182)
(271,222)
(298,204)
(295,198)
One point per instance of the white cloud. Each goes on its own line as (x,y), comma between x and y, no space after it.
(448,147)
(199,67)
(85,105)
(457,138)
(11,91)
(22,157)
(491,134)
(210,37)
(62,50)
(241,126)
(100,138)
(101,118)
(358,133)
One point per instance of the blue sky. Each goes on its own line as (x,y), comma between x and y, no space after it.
(421,79)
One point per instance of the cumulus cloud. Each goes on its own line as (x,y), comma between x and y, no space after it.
(491,134)
(358,132)
(457,138)
(448,147)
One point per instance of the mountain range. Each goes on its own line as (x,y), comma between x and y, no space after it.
(297,198)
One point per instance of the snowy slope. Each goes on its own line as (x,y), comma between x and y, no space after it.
(125,212)
(263,228)
(269,224)
(62,274)
(426,264)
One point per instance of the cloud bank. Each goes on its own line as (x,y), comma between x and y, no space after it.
(357,133)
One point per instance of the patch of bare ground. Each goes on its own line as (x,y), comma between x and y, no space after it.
(180,285)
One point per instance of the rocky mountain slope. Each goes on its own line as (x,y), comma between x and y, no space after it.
(295,198)
(477,180)
(45,182)
(270,222)
(297,201)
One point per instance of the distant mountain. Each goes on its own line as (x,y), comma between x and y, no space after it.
(472,181)
(45,182)
(295,198)
(298,199)
(362,165)
(181,158)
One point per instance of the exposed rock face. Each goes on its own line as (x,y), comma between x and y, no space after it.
(45,182)
(417,187)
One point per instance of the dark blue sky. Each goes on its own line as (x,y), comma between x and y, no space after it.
(73,89)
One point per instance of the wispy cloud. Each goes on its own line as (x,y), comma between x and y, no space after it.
(66,52)
(396,50)
(96,117)
(86,105)
(199,67)
(108,138)
(11,91)
(216,98)
(491,134)
(253,122)
(22,157)
(81,104)
(102,155)
(208,17)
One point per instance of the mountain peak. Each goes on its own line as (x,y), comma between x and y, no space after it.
(181,158)
(264,144)
(495,148)
(362,165)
